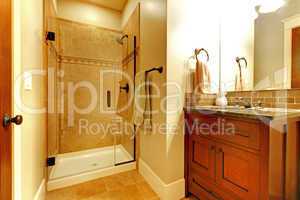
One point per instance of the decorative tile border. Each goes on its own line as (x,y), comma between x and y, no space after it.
(274,98)
(88,61)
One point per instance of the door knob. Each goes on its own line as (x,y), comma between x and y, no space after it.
(7,120)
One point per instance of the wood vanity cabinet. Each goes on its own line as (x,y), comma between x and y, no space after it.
(226,166)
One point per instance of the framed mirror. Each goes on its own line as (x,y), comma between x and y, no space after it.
(260,48)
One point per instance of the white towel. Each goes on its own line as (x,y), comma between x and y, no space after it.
(202,81)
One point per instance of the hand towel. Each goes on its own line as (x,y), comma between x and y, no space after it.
(202,78)
(142,114)
(139,99)
(148,106)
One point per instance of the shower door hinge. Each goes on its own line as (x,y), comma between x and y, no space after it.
(50,36)
(50,161)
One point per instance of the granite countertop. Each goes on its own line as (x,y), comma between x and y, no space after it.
(253,113)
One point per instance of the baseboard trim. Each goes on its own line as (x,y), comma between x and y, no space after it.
(172,191)
(41,193)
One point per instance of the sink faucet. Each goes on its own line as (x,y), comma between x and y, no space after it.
(244,103)
(259,104)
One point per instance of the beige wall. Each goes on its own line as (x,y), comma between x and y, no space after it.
(31,136)
(190,24)
(269,47)
(128,10)
(89,13)
(237,40)
(17,130)
(166,159)
(187,31)
(53,5)
(153,54)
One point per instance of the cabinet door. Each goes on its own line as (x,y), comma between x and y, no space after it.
(238,171)
(201,189)
(202,157)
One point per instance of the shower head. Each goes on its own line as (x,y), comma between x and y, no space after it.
(120,40)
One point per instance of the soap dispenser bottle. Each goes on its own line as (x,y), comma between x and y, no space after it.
(221,99)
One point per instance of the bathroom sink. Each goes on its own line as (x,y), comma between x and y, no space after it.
(253,109)
(249,112)
(278,110)
(227,108)
(218,107)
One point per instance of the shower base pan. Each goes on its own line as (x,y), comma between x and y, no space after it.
(79,167)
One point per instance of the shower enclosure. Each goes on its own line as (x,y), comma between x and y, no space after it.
(91,74)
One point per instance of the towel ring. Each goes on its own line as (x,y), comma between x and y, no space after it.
(159,69)
(198,51)
(239,59)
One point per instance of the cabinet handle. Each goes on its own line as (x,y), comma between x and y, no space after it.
(221,150)
(212,148)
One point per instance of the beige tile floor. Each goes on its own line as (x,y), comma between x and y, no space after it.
(125,186)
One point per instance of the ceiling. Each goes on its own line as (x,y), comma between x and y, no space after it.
(111,4)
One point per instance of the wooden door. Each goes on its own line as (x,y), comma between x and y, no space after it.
(5,100)
(202,160)
(238,171)
(296,58)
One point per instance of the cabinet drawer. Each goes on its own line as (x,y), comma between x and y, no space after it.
(245,133)
(237,131)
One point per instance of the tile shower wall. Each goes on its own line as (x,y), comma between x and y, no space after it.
(274,98)
(84,52)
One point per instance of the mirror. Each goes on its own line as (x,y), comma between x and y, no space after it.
(260,45)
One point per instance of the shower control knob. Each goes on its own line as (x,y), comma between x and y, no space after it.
(7,120)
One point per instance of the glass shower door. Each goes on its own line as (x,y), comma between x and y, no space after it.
(82,140)
(125,139)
